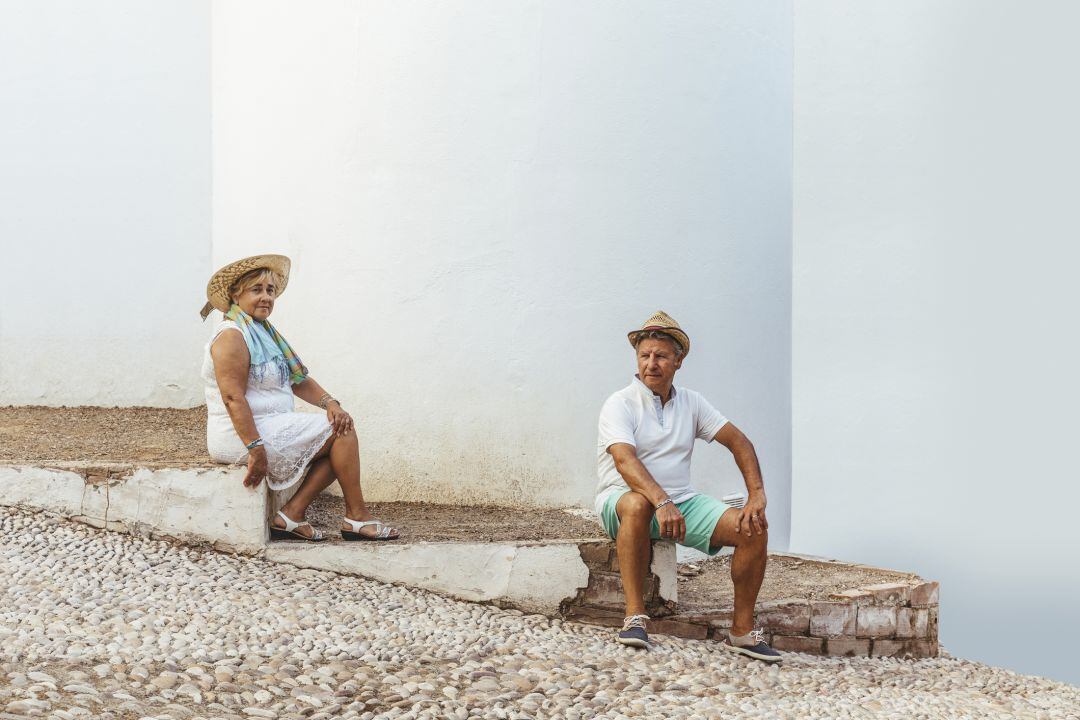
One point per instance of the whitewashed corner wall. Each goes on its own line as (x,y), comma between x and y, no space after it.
(935,347)
(104,201)
(482,198)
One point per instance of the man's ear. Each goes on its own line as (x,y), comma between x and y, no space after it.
(678,362)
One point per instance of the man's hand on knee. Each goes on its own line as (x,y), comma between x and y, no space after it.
(752,516)
(672,523)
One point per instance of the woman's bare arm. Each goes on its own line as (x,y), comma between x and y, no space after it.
(231,360)
(309,390)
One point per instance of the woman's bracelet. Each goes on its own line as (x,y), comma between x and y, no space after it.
(326,399)
(665,502)
(257,442)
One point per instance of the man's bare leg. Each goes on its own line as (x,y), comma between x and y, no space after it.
(632,546)
(747,566)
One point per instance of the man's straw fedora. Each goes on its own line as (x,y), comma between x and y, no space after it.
(217,290)
(664,323)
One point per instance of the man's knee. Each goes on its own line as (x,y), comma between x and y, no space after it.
(755,541)
(634,507)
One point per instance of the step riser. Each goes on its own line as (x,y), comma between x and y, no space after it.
(204,506)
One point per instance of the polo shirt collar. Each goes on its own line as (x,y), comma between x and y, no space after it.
(643,388)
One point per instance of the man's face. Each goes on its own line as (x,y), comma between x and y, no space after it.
(656,363)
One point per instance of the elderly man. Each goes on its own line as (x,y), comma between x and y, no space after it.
(647,434)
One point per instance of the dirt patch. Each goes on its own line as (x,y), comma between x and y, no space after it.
(424,522)
(37,435)
(707,584)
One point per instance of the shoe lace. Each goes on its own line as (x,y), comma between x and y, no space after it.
(758,636)
(635,621)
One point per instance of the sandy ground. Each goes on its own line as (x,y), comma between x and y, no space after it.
(423,522)
(707,584)
(36,435)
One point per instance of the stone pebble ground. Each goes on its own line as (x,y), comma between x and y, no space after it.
(102,625)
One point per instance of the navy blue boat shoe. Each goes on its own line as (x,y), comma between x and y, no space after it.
(752,645)
(633,632)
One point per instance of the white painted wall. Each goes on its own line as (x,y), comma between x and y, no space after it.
(104,200)
(935,296)
(482,198)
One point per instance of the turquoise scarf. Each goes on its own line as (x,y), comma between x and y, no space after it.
(265,346)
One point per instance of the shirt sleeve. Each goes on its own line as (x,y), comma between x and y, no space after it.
(616,423)
(707,420)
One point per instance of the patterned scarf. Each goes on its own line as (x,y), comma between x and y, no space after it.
(265,346)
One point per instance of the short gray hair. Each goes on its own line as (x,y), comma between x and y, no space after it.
(659,335)
(251,277)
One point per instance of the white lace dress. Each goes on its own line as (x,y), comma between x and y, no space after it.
(292,438)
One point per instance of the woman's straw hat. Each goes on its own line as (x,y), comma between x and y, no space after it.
(662,322)
(217,290)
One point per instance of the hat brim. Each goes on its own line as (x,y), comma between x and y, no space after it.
(677,335)
(217,290)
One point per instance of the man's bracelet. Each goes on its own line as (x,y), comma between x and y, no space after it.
(666,502)
(257,442)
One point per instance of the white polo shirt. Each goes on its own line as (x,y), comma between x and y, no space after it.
(662,434)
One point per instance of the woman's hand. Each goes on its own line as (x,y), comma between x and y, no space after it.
(340,421)
(753,515)
(256,467)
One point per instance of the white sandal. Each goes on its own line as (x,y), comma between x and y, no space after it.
(383,531)
(289,531)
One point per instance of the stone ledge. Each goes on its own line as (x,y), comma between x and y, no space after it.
(534,577)
(872,622)
(204,506)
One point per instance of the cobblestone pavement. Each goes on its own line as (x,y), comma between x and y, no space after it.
(103,625)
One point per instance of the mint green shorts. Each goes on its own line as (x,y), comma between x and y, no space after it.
(700,512)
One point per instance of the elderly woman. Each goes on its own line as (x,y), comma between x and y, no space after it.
(252,375)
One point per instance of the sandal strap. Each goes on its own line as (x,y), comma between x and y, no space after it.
(383,530)
(291,526)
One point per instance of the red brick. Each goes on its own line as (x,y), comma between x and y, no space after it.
(693,631)
(911,622)
(892,648)
(924,595)
(847,647)
(858,597)
(798,643)
(925,648)
(604,589)
(594,615)
(875,621)
(596,554)
(786,618)
(832,619)
(719,618)
(889,593)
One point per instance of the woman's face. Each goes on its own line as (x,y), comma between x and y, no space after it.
(257,299)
